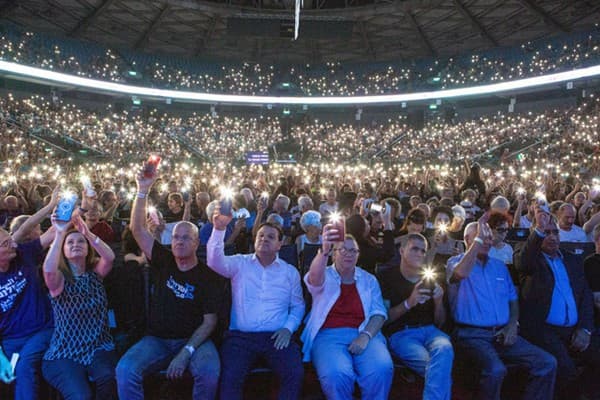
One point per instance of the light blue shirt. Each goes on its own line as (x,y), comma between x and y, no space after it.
(481,299)
(563,310)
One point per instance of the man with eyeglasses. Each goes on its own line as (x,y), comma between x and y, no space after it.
(267,308)
(557,307)
(26,323)
(183,311)
(485,309)
(416,312)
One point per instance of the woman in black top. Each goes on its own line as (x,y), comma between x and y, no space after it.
(371,253)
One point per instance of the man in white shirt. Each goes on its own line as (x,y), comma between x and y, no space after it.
(569,232)
(267,307)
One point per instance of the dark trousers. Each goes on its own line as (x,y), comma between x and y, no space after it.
(72,379)
(557,341)
(489,356)
(241,350)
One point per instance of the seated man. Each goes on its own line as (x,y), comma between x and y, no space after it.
(557,307)
(26,323)
(414,313)
(591,267)
(267,308)
(569,232)
(485,308)
(183,311)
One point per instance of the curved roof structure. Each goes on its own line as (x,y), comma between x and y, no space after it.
(330,30)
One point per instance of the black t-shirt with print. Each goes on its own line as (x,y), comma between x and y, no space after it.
(179,300)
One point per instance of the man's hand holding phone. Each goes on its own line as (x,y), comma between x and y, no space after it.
(148,174)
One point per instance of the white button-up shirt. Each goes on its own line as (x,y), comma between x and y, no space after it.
(265,299)
(325,296)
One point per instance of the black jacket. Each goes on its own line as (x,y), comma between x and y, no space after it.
(537,285)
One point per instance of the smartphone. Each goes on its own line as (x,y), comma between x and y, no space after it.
(376,207)
(66,205)
(225,206)
(339,223)
(151,166)
(429,284)
(186,196)
(13,362)
(87,185)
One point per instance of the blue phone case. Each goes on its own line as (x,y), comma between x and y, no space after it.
(65,208)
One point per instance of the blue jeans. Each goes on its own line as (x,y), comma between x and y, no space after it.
(427,351)
(72,379)
(31,349)
(152,354)
(241,350)
(489,356)
(338,370)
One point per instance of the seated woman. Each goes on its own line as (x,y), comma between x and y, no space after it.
(342,335)
(97,226)
(310,222)
(81,348)
(442,245)
(371,252)
(414,223)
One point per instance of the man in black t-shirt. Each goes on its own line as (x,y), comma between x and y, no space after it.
(183,311)
(416,310)
(592,275)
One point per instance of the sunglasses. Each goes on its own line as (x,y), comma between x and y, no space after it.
(501,230)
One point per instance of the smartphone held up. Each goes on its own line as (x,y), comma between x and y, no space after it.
(66,205)
(151,166)
(338,223)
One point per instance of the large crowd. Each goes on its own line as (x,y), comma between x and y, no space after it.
(428,228)
(385,245)
(541,57)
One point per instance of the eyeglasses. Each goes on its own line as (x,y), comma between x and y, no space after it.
(183,238)
(501,230)
(552,232)
(349,251)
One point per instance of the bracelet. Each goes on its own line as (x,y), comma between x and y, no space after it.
(478,240)
(366,332)
(406,305)
(586,331)
(82,210)
(141,195)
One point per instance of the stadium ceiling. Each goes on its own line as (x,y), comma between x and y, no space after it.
(330,30)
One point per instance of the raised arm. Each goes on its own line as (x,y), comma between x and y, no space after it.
(140,232)
(187,209)
(526,261)
(465,265)
(31,222)
(107,256)
(53,277)
(215,248)
(316,273)
(591,223)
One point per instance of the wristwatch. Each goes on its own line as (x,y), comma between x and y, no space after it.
(190,349)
